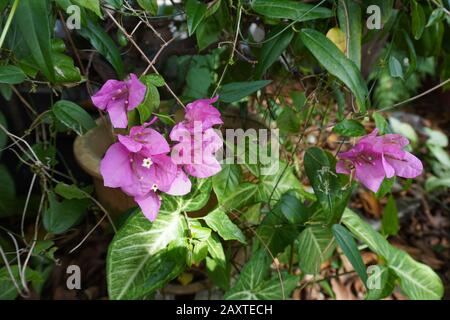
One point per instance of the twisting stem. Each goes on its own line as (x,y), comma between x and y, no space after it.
(230,60)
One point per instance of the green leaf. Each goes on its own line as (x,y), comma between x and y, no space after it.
(381,283)
(103,43)
(198,81)
(33,22)
(236,91)
(73,116)
(69,191)
(289,121)
(315,245)
(219,222)
(349,15)
(412,56)
(208,32)
(418,281)
(389,222)
(435,17)
(7,192)
(282,225)
(348,245)
(216,265)
(60,216)
(385,187)
(272,49)
(117,4)
(333,196)
(149,5)
(380,122)
(277,182)
(226,181)
(92,5)
(7,289)
(254,282)
(155,79)
(288,9)
(195,12)
(241,196)
(395,68)
(151,101)
(197,198)
(334,61)
(417,19)
(11,75)
(65,70)
(349,128)
(144,255)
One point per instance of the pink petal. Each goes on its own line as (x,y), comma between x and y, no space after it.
(371,174)
(103,97)
(181,185)
(341,167)
(136,92)
(131,144)
(149,204)
(407,167)
(117,114)
(115,167)
(202,110)
(154,142)
(162,172)
(396,139)
(180,133)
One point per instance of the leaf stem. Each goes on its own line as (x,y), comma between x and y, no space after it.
(8,22)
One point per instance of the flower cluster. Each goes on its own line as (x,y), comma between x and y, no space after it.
(142,163)
(377,157)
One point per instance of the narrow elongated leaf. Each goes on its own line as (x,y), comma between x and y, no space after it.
(348,245)
(335,62)
(349,15)
(103,43)
(195,12)
(142,248)
(417,19)
(395,68)
(380,283)
(389,221)
(271,50)
(11,74)
(288,9)
(219,222)
(417,281)
(73,116)
(236,91)
(33,21)
(149,5)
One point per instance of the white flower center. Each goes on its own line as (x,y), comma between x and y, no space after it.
(154,187)
(147,163)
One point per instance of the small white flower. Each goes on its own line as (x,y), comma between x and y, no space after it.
(147,163)
(154,187)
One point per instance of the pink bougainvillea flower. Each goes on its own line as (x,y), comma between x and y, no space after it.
(118,97)
(140,166)
(197,141)
(375,157)
(196,151)
(203,111)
